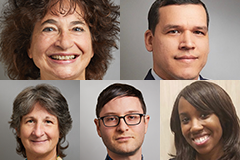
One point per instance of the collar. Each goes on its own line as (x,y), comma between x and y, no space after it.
(109,158)
(156,77)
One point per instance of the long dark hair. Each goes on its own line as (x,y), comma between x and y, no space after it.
(209,98)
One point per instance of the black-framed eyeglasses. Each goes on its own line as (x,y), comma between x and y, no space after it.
(130,119)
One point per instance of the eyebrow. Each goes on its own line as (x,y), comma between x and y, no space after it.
(183,114)
(47,117)
(52,21)
(128,112)
(172,26)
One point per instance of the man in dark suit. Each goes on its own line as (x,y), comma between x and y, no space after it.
(178,39)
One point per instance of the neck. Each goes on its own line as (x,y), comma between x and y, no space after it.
(136,156)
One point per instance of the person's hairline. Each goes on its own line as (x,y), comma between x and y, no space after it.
(121,96)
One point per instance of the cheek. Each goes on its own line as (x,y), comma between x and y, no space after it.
(184,130)
(106,132)
(54,132)
(203,46)
(39,45)
(165,47)
(85,44)
(25,132)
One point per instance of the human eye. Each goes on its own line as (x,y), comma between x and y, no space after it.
(49,122)
(110,118)
(204,115)
(78,29)
(199,32)
(185,120)
(173,32)
(49,29)
(132,117)
(30,121)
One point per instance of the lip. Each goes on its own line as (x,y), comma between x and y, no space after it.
(38,141)
(65,61)
(201,139)
(123,139)
(186,58)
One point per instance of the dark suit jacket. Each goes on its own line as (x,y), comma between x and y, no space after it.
(149,76)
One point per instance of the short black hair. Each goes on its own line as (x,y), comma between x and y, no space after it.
(118,90)
(153,14)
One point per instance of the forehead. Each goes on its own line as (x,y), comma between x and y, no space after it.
(121,106)
(185,106)
(185,14)
(65,7)
(39,111)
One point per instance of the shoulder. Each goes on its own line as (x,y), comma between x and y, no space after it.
(59,158)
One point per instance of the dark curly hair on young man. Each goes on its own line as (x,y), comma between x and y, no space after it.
(20,16)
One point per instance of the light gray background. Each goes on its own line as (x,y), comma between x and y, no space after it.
(91,145)
(113,72)
(223,60)
(10,89)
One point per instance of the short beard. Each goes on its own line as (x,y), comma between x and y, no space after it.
(123,153)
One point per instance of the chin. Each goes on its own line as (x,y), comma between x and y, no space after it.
(187,76)
(63,75)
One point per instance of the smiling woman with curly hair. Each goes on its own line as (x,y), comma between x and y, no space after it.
(58,39)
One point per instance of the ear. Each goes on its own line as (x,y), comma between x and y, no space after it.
(29,53)
(18,134)
(148,37)
(92,54)
(96,121)
(147,118)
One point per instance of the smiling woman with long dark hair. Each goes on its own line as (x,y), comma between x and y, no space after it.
(205,124)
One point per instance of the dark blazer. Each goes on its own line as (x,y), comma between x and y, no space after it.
(149,76)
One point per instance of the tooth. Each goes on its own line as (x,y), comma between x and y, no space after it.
(58,57)
(201,139)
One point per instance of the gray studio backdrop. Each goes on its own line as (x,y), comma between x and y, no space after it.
(223,60)
(113,72)
(91,145)
(10,89)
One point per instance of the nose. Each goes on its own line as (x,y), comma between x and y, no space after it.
(196,126)
(186,41)
(38,130)
(64,40)
(122,126)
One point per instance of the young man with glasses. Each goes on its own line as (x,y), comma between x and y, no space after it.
(122,121)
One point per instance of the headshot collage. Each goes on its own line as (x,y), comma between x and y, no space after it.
(119,79)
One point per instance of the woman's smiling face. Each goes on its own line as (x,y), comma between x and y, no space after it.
(39,132)
(61,45)
(203,131)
